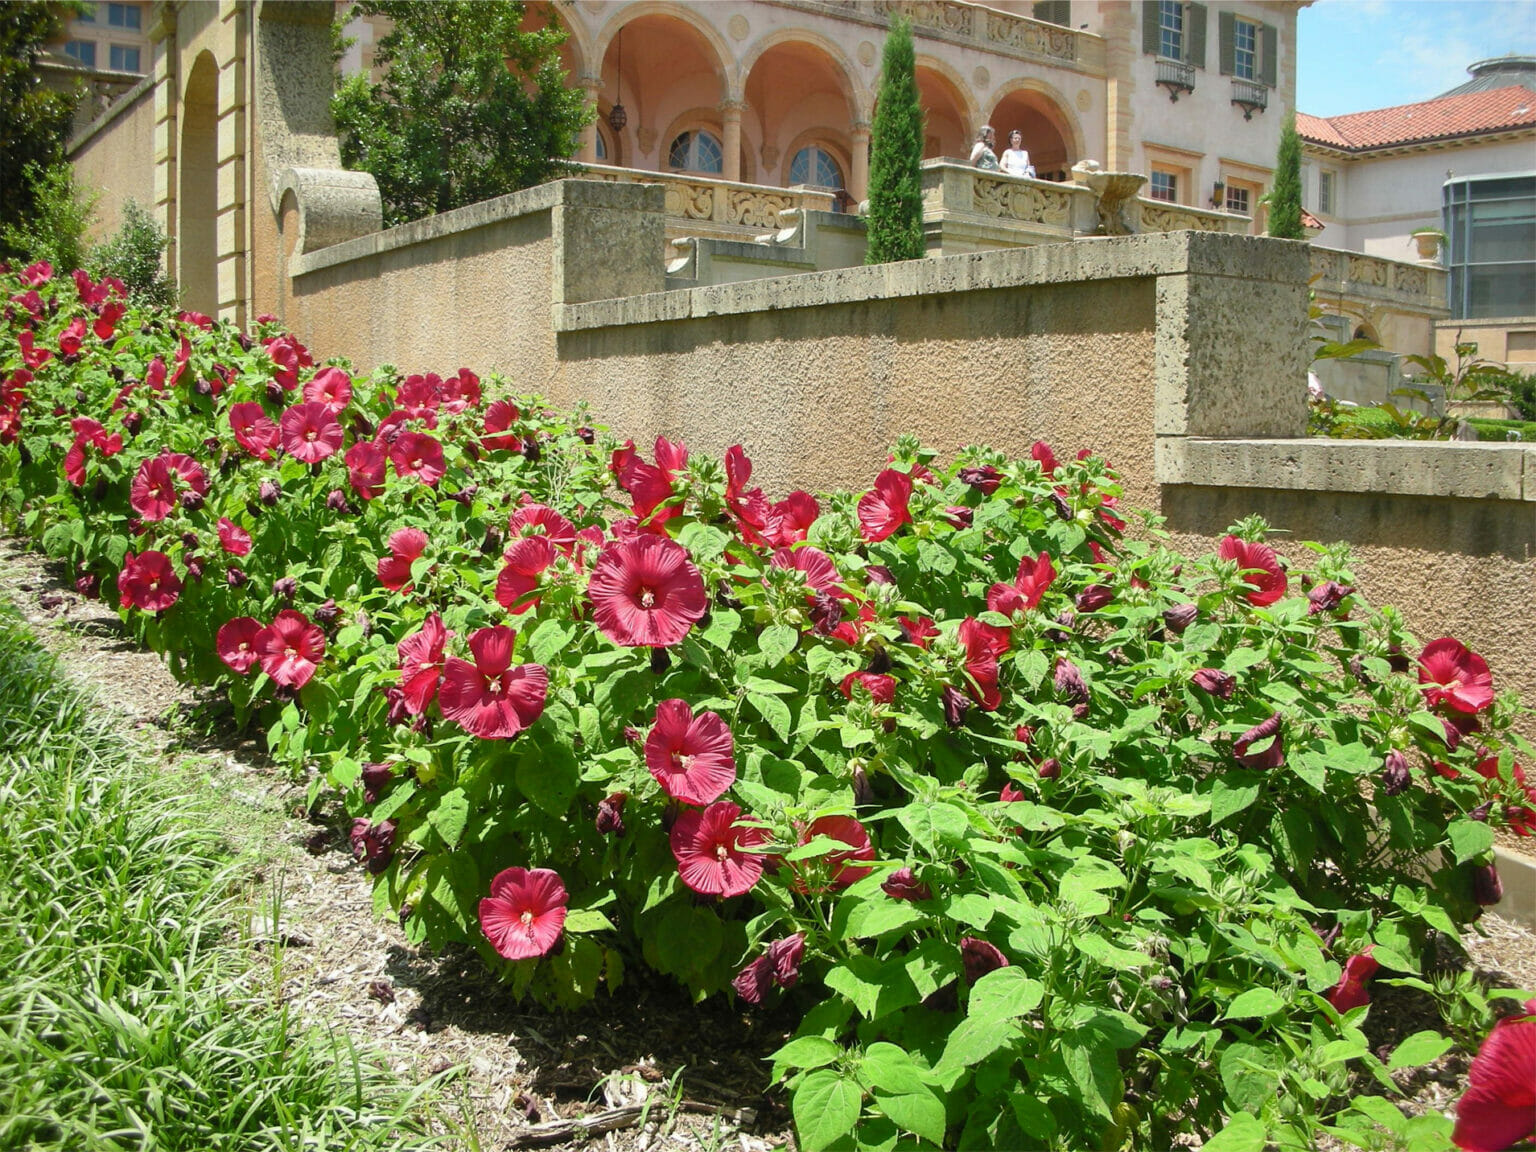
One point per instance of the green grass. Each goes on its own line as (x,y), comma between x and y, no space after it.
(130,1015)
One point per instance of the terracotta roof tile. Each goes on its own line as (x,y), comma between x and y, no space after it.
(1447,116)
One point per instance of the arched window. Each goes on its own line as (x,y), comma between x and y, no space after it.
(696,152)
(814,166)
(602,147)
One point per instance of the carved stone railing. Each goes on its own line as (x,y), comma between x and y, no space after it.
(705,206)
(1353,277)
(1160,216)
(973,26)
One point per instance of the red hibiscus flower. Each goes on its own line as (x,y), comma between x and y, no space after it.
(36,275)
(526,561)
(290,648)
(406,546)
(984,645)
(310,432)
(816,566)
(1498,1109)
(106,323)
(709,845)
(232,538)
(690,756)
(331,387)
(780,965)
(1041,453)
(421,663)
(500,416)
(420,395)
(288,356)
(88,434)
(649,485)
(155,491)
(183,354)
(70,338)
(417,454)
(1261,569)
(646,592)
(823,873)
(489,698)
(747,506)
(1271,756)
(1033,579)
(919,630)
(790,520)
(461,391)
(366,464)
(883,509)
(880,688)
(1350,991)
(236,643)
(31,355)
(540,520)
(1455,676)
(254,431)
(148,582)
(525,912)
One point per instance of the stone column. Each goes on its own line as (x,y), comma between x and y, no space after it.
(730,117)
(586,148)
(858,179)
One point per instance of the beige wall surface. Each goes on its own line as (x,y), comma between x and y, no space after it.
(111,158)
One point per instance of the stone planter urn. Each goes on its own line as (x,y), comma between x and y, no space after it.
(1428,243)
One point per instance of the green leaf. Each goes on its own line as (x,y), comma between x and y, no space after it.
(774,711)
(875,989)
(928,824)
(826,1109)
(971,1042)
(549,776)
(548,640)
(920,1113)
(1311,767)
(1469,838)
(1250,1075)
(934,557)
(1243,1133)
(587,920)
(878,915)
(805,1052)
(1095,1069)
(1032,665)
(887,1068)
(1200,637)
(1254,1002)
(1004,994)
(722,627)
(449,816)
(1420,1048)
(1109,955)
(777,641)
(1231,794)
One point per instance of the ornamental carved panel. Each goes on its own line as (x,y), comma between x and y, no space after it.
(756,209)
(690,201)
(1006,31)
(1159,218)
(1412,280)
(1325,264)
(1006,200)
(1364,270)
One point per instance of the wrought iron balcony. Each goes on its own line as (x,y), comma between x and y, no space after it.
(1176,76)
(1250,97)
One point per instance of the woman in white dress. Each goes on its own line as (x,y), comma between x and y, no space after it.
(1015,161)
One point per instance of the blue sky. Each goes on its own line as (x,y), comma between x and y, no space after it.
(1360,54)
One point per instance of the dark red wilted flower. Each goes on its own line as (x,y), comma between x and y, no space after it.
(254,430)
(148,582)
(1094,597)
(525,913)
(1051,769)
(1498,1109)
(880,688)
(501,415)
(1041,453)
(421,663)
(1214,681)
(1261,569)
(610,814)
(310,432)
(406,546)
(526,560)
(419,455)
(235,577)
(1395,776)
(956,705)
(959,515)
(691,757)
(884,508)
(375,778)
(1487,888)
(331,387)
(1350,991)
(646,592)
(780,965)
(1327,597)
(87,585)
(290,648)
(1453,675)
(373,843)
(1271,756)
(833,871)
(709,845)
(490,698)
(1034,577)
(903,884)
(979,957)
(985,478)
(1069,682)
(232,538)
(1178,618)
(366,463)
(236,643)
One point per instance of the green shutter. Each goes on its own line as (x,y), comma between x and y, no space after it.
(1269,42)
(1149,26)
(1225,25)
(1054,12)
(1194,42)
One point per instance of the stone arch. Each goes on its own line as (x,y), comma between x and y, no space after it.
(949,107)
(1052,133)
(797,86)
(835,145)
(197,188)
(689,120)
(861,104)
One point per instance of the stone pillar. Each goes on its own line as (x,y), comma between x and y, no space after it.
(730,121)
(586,147)
(858,179)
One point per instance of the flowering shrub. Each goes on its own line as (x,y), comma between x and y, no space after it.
(1054,838)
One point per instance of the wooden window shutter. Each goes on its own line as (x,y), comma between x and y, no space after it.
(1269,42)
(1194,42)
(1225,28)
(1149,33)
(1054,12)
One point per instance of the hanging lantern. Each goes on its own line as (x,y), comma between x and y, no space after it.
(617,118)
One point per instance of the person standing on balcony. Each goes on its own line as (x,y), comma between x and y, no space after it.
(1015,160)
(982,155)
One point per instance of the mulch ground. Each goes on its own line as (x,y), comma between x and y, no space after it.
(645,1069)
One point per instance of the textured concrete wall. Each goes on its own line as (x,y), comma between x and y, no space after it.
(111,157)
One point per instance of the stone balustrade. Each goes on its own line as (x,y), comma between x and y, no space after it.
(1353,277)
(1160,216)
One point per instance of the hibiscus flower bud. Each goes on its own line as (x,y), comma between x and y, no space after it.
(202,387)
(1480,813)
(1094,597)
(1059,502)
(879,574)
(1214,681)
(1180,617)
(466,495)
(1396,658)
(268,492)
(336,500)
(373,843)
(956,705)
(327,612)
(863,793)
(1395,776)
(610,815)
(979,957)
(826,613)
(984,479)
(531,450)
(1487,888)
(245,342)
(1051,769)
(132,422)
(398,712)
(86,585)
(80,398)
(376,778)
(1066,618)
(194,567)
(191,500)
(1326,597)
(234,577)
(284,588)
(660,661)
(903,884)
(959,515)
(632,734)
(274,392)
(1069,681)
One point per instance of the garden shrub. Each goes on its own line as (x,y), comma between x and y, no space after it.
(1050,836)
(135,254)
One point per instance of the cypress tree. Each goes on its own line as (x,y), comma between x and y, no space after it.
(895,219)
(1285,194)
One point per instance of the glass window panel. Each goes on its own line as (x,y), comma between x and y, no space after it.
(1165,186)
(1501,290)
(1170,29)
(602,147)
(813,165)
(1244,49)
(83,51)
(696,152)
(124,59)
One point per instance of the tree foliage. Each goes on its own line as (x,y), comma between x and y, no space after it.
(1285,195)
(471,105)
(895,220)
(34,121)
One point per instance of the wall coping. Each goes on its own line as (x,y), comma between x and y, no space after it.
(636,198)
(119,106)
(1080,261)
(1457,469)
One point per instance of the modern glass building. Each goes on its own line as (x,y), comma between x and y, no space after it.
(1490,223)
